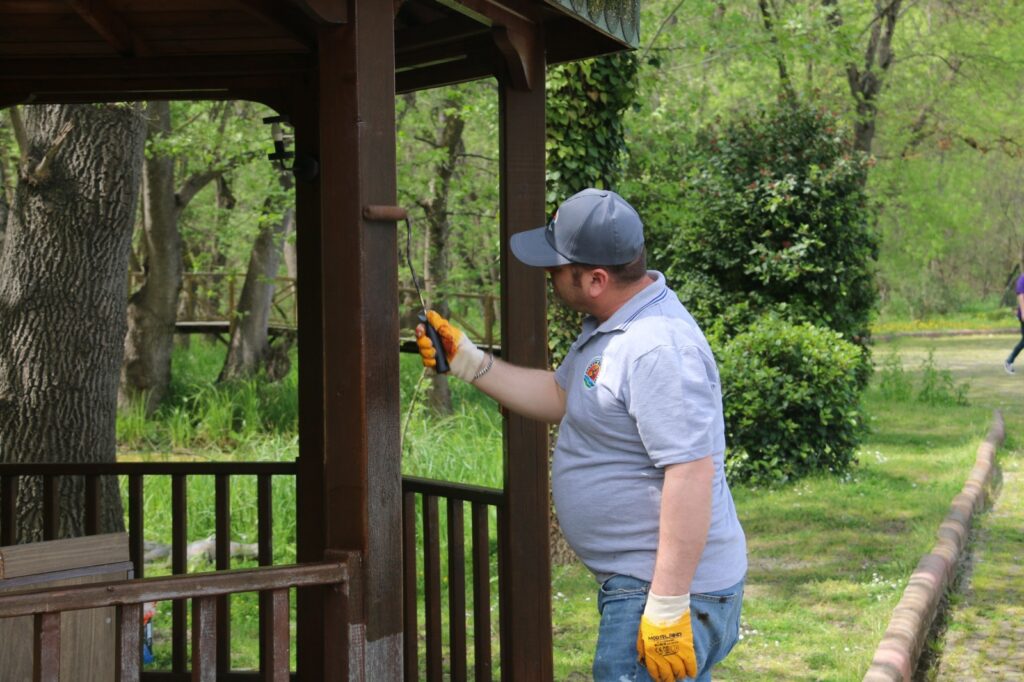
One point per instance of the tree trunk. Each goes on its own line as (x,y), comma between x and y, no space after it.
(152,310)
(62,298)
(866,83)
(250,345)
(449,141)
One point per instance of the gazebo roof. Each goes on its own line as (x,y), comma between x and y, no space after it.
(69,50)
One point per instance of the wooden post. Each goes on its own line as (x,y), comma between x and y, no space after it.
(349,462)
(525,591)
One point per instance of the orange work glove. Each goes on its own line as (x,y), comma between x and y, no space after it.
(665,639)
(464,357)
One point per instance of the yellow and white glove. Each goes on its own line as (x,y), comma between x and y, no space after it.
(665,639)
(464,358)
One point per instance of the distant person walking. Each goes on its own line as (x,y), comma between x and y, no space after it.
(1008,365)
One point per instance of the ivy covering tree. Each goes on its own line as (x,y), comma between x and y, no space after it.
(586,147)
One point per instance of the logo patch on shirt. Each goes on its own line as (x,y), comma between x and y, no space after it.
(592,372)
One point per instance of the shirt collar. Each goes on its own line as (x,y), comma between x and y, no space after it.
(629,311)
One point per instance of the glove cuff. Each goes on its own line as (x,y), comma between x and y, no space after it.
(467,360)
(663,611)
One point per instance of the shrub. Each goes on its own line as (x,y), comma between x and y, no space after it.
(773,214)
(792,401)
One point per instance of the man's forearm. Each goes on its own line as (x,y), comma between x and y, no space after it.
(529,392)
(685,519)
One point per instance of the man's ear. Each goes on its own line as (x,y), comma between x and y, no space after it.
(597,280)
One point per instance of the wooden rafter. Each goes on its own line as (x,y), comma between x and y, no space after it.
(515,32)
(110,26)
(285,15)
(323,11)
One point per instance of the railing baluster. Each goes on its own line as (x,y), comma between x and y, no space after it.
(9,525)
(411,627)
(432,585)
(223,563)
(275,639)
(128,650)
(481,593)
(265,534)
(456,589)
(46,647)
(136,543)
(265,520)
(179,557)
(51,508)
(204,639)
(92,504)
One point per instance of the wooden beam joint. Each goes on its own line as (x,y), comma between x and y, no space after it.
(326,12)
(110,26)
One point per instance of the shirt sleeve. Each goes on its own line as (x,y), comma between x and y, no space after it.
(562,373)
(674,396)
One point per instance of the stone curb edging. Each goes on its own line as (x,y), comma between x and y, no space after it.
(897,654)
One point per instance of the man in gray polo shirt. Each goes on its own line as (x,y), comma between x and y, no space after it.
(638,472)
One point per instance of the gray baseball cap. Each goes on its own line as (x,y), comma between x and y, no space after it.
(595,226)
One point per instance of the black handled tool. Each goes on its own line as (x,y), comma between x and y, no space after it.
(442,366)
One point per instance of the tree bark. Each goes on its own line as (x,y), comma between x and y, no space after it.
(450,142)
(866,83)
(250,345)
(152,310)
(62,294)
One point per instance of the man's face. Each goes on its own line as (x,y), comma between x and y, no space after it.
(568,288)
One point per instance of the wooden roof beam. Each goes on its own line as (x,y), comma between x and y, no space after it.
(110,26)
(324,11)
(515,32)
(284,15)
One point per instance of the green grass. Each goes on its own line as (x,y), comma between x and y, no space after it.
(984,317)
(829,555)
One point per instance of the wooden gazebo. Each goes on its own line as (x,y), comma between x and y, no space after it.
(333,67)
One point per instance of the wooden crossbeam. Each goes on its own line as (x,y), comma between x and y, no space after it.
(515,32)
(110,26)
(324,11)
(284,15)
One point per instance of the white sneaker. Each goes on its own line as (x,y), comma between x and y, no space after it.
(1008,366)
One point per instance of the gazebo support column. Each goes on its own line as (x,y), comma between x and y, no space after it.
(525,593)
(349,461)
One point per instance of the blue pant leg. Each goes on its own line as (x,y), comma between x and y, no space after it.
(620,601)
(715,617)
(1019,347)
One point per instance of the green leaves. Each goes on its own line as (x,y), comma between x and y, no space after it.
(792,401)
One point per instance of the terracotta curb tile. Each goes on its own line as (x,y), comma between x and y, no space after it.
(897,654)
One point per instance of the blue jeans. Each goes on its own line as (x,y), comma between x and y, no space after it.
(715,617)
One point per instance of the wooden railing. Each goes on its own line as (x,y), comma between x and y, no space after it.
(212,297)
(427,496)
(136,474)
(422,543)
(205,590)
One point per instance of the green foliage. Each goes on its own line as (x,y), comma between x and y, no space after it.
(792,401)
(586,147)
(200,415)
(893,382)
(586,101)
(776,219)
(935,386)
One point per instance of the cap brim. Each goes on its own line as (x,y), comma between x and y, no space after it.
(532,248)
